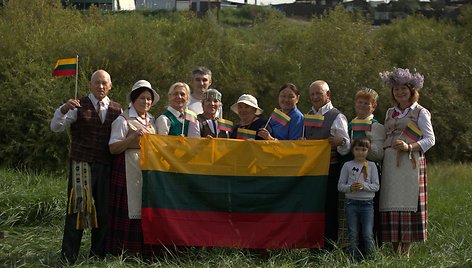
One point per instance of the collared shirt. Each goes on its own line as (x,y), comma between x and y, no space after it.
(120,128)
(163,122)
(424,124)
(338,128)
(377,138)
(61,121)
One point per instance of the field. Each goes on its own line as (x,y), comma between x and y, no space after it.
(31,222)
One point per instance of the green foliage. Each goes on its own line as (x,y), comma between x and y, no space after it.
(34,241)
(30,199)
(265,51)
(248,15)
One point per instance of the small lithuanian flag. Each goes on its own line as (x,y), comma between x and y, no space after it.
(65,67)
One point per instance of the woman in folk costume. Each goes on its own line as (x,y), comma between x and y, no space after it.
(172,120)
(403,191)
(207,125)
(126,184)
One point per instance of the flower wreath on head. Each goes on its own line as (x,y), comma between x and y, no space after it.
(401,76)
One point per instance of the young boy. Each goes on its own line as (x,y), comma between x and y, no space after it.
(359,180)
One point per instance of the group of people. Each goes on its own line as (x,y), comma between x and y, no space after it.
(105,181)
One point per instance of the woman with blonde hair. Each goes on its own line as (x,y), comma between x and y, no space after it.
(172,121)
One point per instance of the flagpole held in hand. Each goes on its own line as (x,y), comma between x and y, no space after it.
(76,76)
(268,121)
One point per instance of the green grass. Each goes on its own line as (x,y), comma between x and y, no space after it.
(32,209)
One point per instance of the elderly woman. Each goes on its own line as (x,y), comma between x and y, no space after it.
(248,111)
(289,96)
(403,196)
(172,121)
(125,232)
(207,124)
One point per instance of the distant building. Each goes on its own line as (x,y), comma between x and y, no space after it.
(130,4)
(85,4)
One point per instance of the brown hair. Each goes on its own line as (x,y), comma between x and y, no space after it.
(368,94)
(361,142)
(414,94)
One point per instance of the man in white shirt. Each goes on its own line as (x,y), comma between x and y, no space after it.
(200,83)
(335,130)
(90,119)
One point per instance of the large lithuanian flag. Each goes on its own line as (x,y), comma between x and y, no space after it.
(233,193)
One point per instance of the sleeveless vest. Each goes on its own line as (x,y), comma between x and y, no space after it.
(134,124)
(89,137)
(324,132)
(395,126)
(175,125)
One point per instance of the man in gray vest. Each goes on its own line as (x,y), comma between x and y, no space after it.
(90,119)
(335,129)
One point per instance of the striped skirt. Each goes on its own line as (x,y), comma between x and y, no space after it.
(407,226)
(124,235)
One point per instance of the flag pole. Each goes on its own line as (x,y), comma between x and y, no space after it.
(76,75)
(183,124)
(268,121)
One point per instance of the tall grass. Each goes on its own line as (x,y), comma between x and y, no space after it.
(32,209)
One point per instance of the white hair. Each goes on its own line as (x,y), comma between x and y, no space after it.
(321,84)
(100,71)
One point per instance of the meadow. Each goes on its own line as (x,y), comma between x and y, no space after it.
(32,207)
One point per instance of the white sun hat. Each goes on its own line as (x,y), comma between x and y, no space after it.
(249,100)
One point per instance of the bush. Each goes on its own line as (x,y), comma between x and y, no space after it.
(257,57)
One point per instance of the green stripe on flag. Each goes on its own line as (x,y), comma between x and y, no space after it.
(65,67)
(249,194)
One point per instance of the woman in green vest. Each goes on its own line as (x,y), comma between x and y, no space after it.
(172,121)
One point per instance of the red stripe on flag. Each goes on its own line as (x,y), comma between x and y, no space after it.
(240,230)
(278,119)
(64,73)
(412,135)
(313,124)
(361,128)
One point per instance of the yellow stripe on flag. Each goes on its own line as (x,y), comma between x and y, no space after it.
(66,62)
(231,157)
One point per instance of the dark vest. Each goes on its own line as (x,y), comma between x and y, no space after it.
(175,125)
(321,133)
(89,137)
(205,129)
